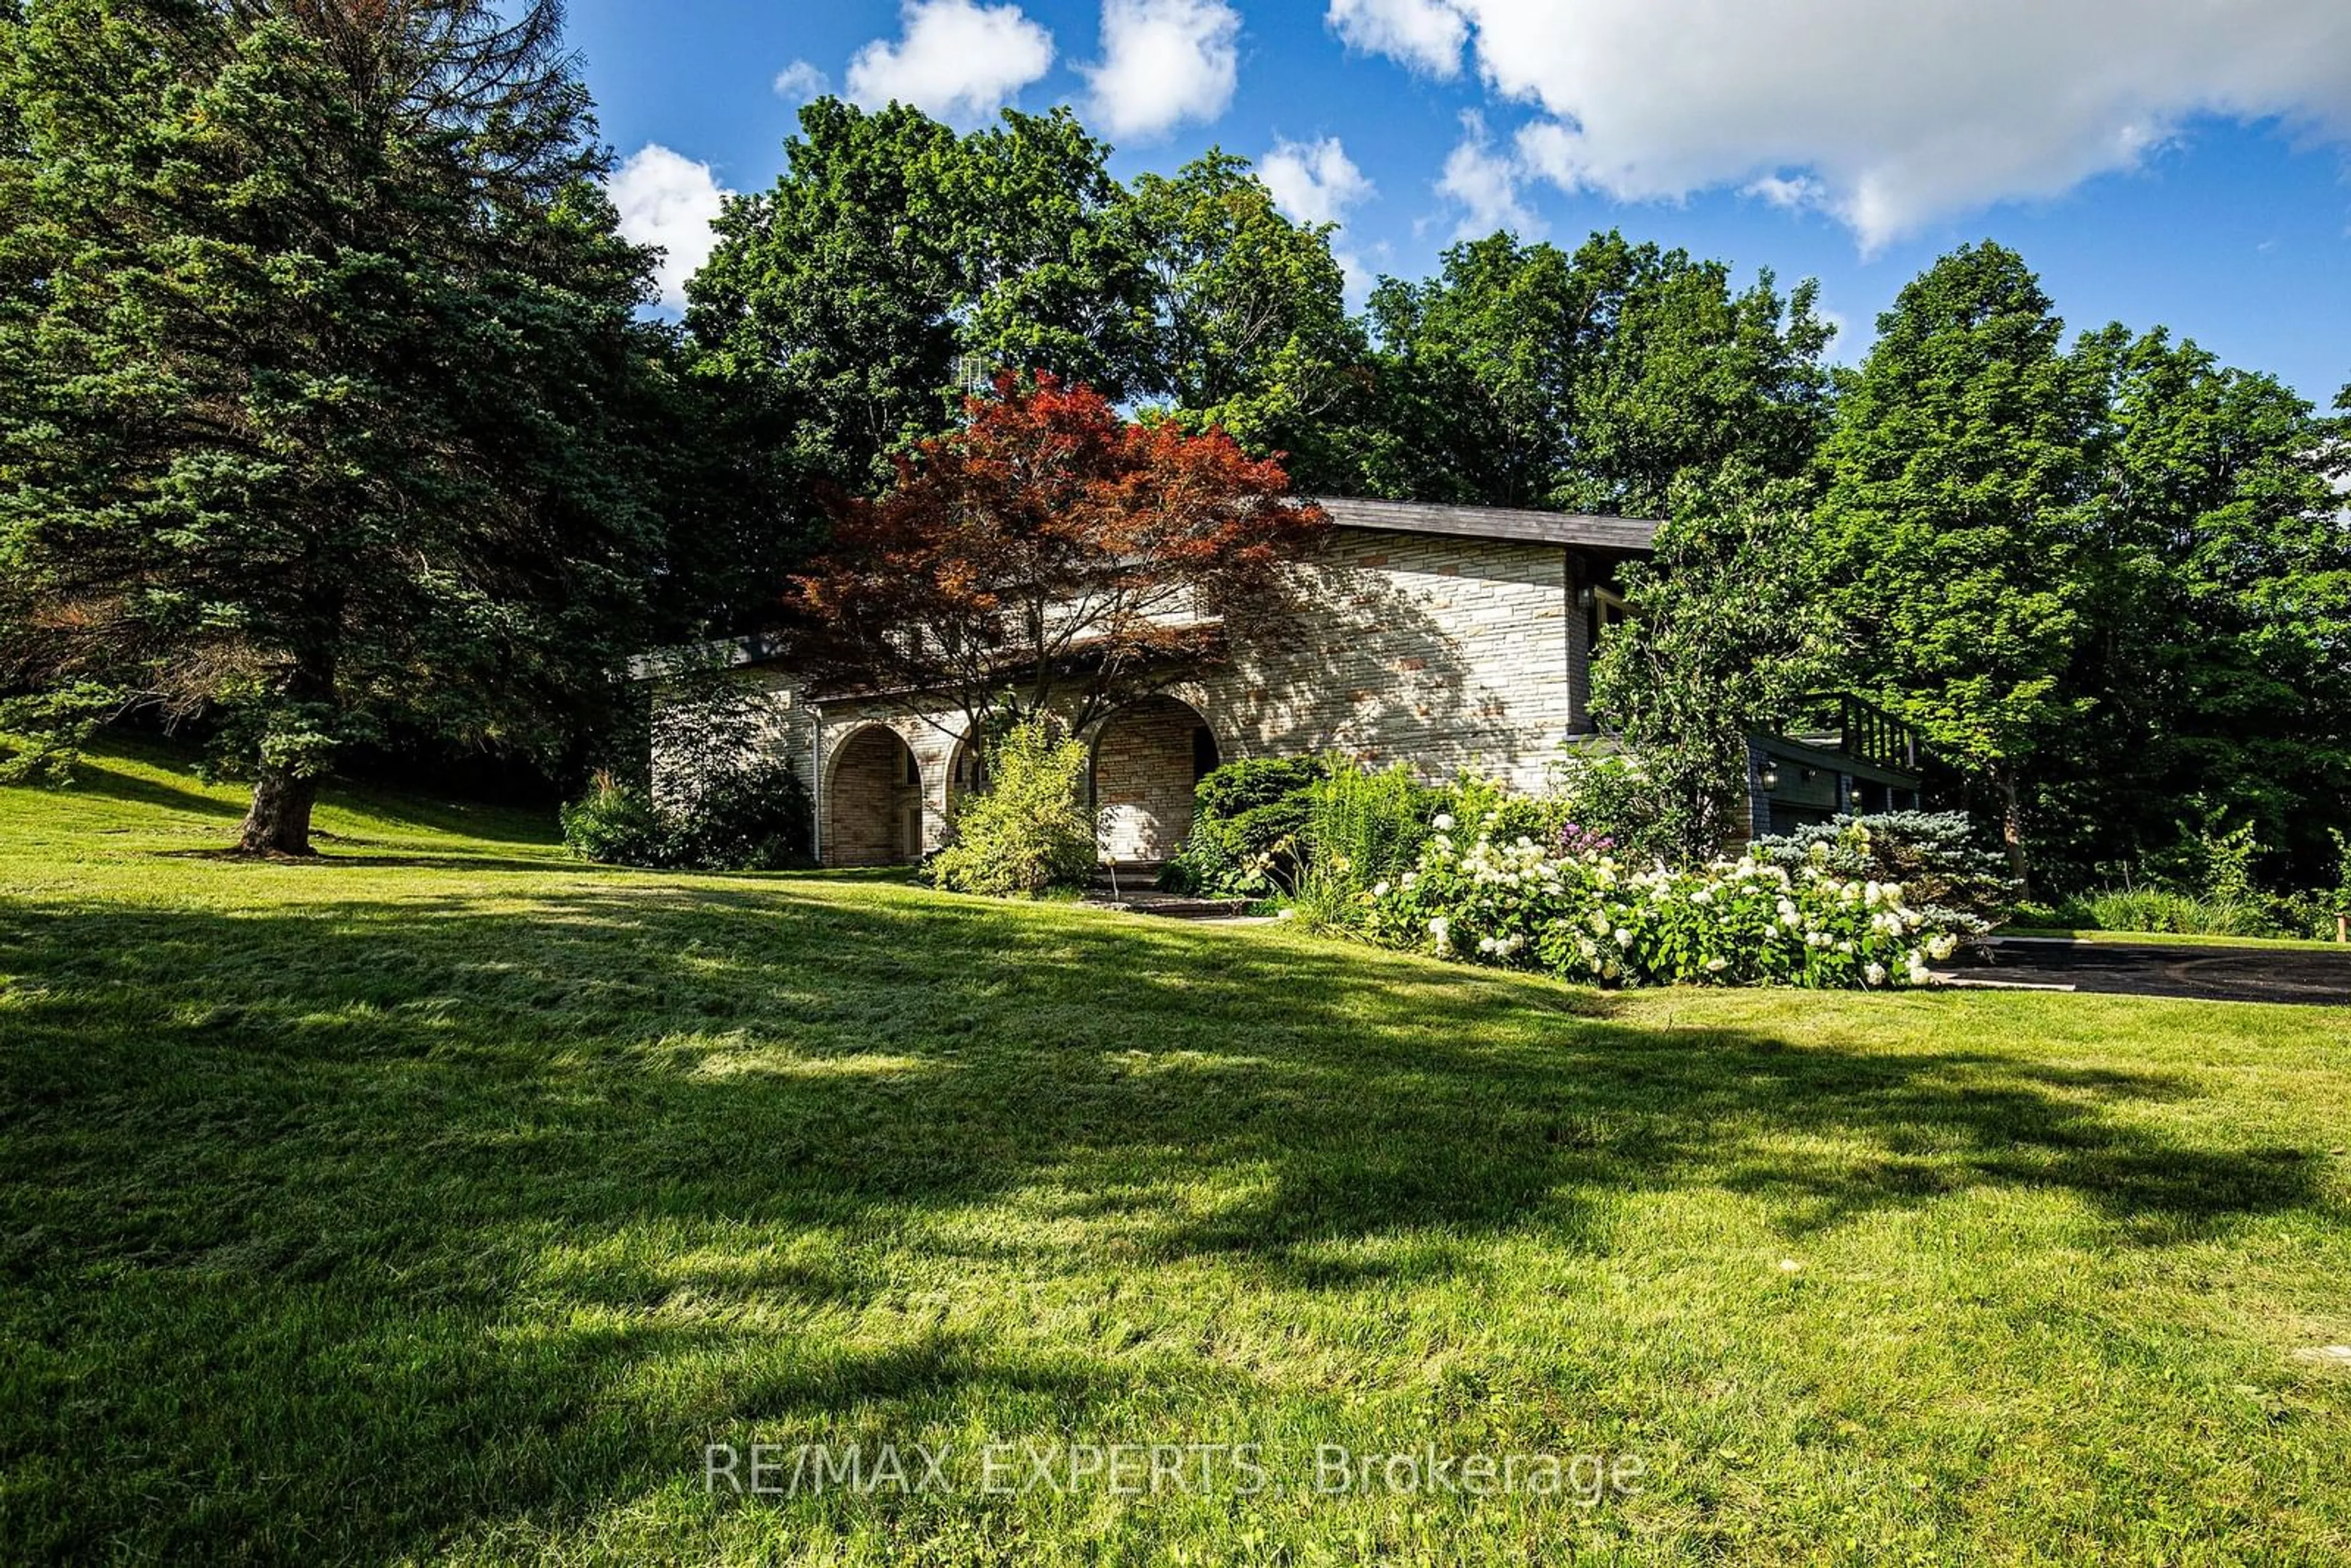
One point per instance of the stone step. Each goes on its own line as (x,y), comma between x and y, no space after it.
(1174,906)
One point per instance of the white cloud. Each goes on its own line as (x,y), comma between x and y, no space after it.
(800,82)
(1164,62)
(1897,115)
(958,61)
(1426,35)
(1793,193)
(1314,182)
(1486,183)
(667,199)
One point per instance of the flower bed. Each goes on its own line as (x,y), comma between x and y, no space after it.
(1583,916)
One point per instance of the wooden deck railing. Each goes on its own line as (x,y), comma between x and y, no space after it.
(1863,731)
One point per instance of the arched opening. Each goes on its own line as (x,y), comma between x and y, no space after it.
(873,807)
(1147,759)
(965,774)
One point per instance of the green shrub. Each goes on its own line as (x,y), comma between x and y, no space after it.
(617,824)
(1248,826)
(1943,866)
(1028,830)
(2309,915)
(1361,829)
(1608,797)
(2180,913)
(1254,781)
(2209,860)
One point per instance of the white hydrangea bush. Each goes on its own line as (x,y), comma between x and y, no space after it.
(1589,917)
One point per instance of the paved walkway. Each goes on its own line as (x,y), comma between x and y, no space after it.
(2213,974)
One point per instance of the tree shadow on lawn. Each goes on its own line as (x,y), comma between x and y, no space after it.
(358,1181)
(92,776)
(95,774)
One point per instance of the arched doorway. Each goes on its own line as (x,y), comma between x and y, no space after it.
(963,771)
(874,805)
(1147,758)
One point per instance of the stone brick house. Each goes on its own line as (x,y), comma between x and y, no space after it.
(1443,637)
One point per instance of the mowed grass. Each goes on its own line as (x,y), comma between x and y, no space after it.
(443,1200)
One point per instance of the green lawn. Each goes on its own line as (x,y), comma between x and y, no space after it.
(443,1200)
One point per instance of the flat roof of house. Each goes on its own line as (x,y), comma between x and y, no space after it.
(1629,536)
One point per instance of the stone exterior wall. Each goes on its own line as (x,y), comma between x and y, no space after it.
(1438,652)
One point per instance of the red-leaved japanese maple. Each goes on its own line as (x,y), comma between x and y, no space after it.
(1049,557)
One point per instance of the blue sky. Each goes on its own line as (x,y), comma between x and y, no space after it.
(2157,160)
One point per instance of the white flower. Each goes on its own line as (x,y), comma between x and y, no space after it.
(1921,975)
(1442,821)
(1438,925)
(1874,974)
(1379,890)
(1942,946)
(1624,937)
(1716,966)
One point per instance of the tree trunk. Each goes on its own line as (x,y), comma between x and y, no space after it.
(279,821)
(2012,832)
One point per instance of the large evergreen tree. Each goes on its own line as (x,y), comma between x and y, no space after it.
(314,367)
(1960,509)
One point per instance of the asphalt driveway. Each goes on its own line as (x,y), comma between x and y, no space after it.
(2212,974)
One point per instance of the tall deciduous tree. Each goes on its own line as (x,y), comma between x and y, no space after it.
(1250,331)
(890,250)
(313,313)
(1726,639)
(2217,668)
(1047,558)
(1959,507)
(1526,375)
